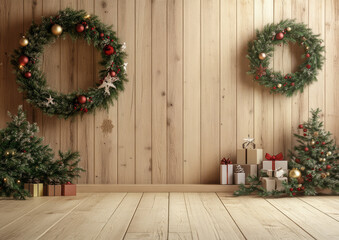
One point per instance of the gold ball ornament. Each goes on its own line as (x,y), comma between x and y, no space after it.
(302,168)
(316,134)
(294,173)
(288,29)
(87,16)
(312,142)
(23,42)
(300,185)
(323,175)
(279,85)
(5,179)
(307,47)
(328,154)
(18,181)
(328,174)
(56,29)
(262,56)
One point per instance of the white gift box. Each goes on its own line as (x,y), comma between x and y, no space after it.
(239,178)
(226,174)
(279,183)
(274,164)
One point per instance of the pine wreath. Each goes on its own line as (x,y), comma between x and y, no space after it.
(77,24)
(261,50)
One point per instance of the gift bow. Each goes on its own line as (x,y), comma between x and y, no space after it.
(225,161)
(279,156)
(248,141)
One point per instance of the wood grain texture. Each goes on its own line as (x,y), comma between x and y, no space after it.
(188,101)
(328,205)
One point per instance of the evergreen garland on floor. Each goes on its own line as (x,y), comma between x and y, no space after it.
(261,50)
(76,24)
(23,158)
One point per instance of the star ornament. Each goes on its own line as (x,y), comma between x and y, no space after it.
(261,71)
(50,101)
(108,83)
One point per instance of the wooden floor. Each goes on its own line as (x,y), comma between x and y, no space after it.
(169,216)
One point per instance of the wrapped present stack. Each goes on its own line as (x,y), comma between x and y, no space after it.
(226,171)
(249,158)
(239,175)
(275,169)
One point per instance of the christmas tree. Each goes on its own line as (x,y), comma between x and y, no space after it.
(314,162)
(24,158)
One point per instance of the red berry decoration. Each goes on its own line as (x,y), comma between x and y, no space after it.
(308,66)
(102,35)
(328,167)
(112,73)
(302,188)
(305,134)
(256,77)
(85,110)
(23,60)
(305,130)
(322,153)
(320,169)
(299,189)
(306,149)
(28,74)
(297,160)
(82,99)
(308,55)
(293,193)
(323,143)
(80,28)
(292,84)
(291,189)
(274,88)
(279,36)
(301,126)
(108,50)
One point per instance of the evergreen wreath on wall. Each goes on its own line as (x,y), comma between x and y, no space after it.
(77,24)
(261,50)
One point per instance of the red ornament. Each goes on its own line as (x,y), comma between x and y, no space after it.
(291,189)
(297,160)
(274,88)
(108,50)
(328,166)
(322,153)
(82,99)
(102,35)
(308,66)
(323,143)
(23,60)
(285,77)
(279,36)
(308,55)
(320,169)
(293,193)
(305,130)
(305,134)
(256,77)
(292,84)
(299,189)
(301,126)
(80,28)
(306,149)
(112,73)
(85,110)
(317,142)
(28,74)
(302,188)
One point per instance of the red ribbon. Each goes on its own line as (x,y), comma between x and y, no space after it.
(225,161)
(279,156)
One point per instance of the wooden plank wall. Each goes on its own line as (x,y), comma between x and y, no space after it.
(188,101)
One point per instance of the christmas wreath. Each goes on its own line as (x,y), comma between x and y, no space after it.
(261,50)
(77,24)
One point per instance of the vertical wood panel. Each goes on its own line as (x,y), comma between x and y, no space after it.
(159,91)
(174,98)
(143,88)
(51,67)
(300,100)
(191,68)
(106,134)
(332,70)
(210,84)
(86,135)
(263,100)
(69,67)
(228,78)
(126,102)
(3,20)
(244,82)
(282,106)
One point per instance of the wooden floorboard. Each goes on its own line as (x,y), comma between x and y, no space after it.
(258,219)
(312,220)
(173,216)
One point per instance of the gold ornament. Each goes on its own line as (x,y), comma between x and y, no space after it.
(300,185)
(316,134)
(323,175)
(262,56)
(86,27)
(18,181)
(288,29)
(312,142)
(56,29)
(87,16)
(7,153)
(23,41)
(328,154)
(5,179)
(302,168)
(295,173)
(307,48)
(279,85)
(328,174)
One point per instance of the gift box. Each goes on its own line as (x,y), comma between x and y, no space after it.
(279,183)
(247,155)
(52,190)
(268,172)
(250,170)
(279,173)
(268,183)
(226,171)
(68,189)
(239,175)
(35,189)
(274,162)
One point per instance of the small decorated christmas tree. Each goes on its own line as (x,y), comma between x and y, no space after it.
(314,162)
(23,158)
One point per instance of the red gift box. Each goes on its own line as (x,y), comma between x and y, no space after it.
(69,189)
